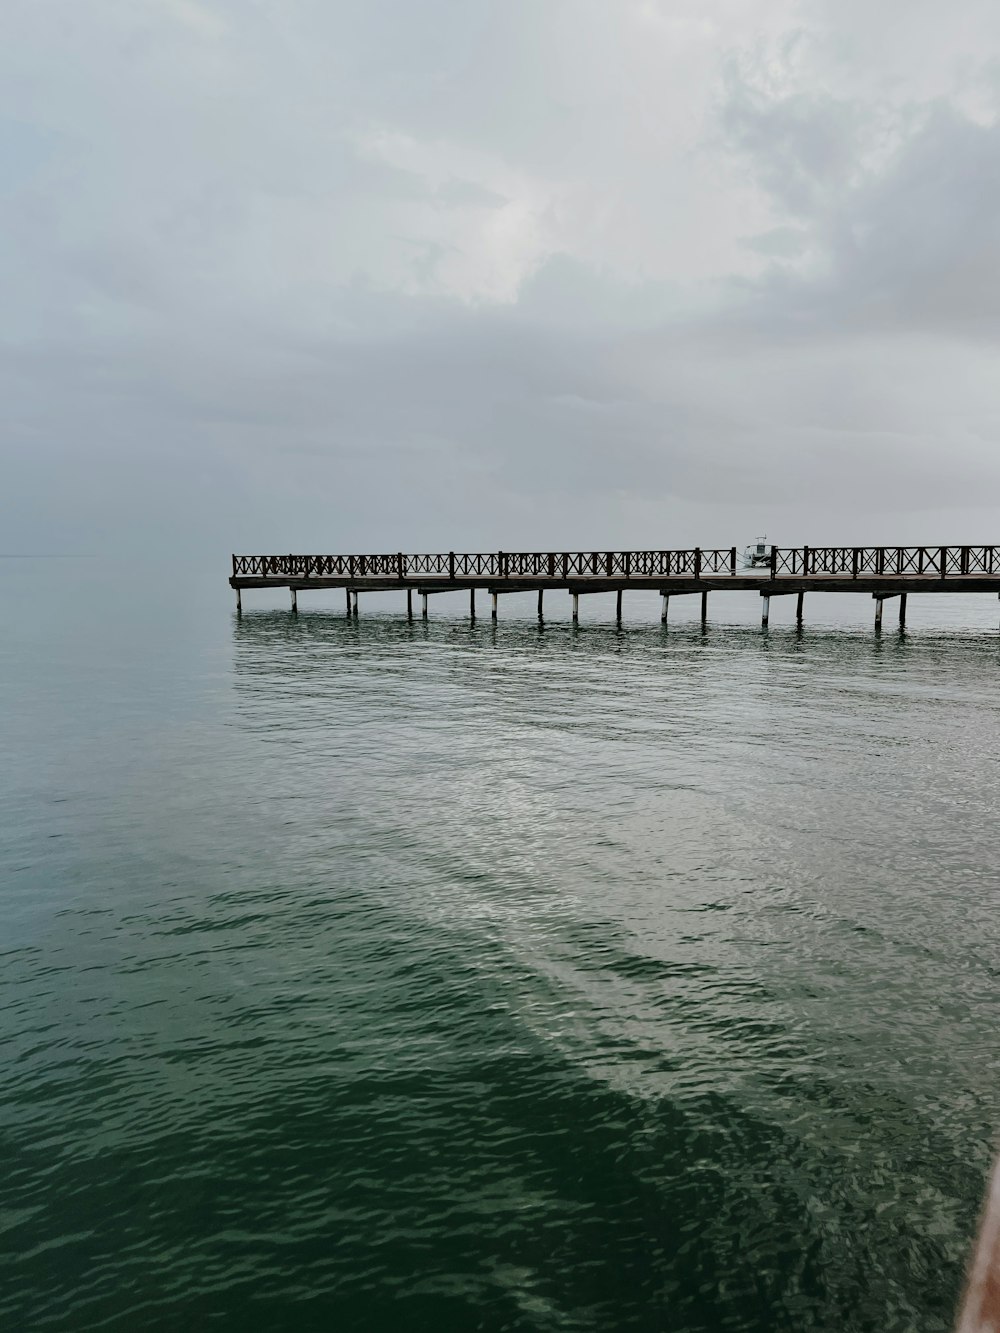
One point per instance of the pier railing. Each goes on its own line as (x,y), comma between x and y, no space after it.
(856,561)
(849,561)
(497,564)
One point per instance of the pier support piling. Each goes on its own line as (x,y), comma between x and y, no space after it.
(704,608)
(902,610)
(618,607)
(347,594)
(765,614)
(239,603)
(493,607)
(799,601)
(295,601)
(472,603)
(423,607)
(541,594)
(664,604)
(409,603)
(879,602)
(354,604)
(576,608)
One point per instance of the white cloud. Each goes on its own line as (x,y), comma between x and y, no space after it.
(475,228)
(196,17)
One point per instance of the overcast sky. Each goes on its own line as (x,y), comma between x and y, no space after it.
(459,274)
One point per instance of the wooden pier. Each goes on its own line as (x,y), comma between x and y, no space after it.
(884,572)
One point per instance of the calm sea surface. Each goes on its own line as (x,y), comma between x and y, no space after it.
(381,976)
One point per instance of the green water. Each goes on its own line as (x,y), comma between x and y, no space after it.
(372,975)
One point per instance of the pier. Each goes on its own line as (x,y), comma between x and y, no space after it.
(884,572)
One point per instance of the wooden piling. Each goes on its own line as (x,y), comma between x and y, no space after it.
(576,608)
(879,602)
(618,607)
(347,593)
(799,602)
(423,608)
(493,607)
(704,608)
(902,610)
(239,603)
(765,614)
(664,603)
(409,603)
(354,603)
(295,601)
(472,603)
(541,594)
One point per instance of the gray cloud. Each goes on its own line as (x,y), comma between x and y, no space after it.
(911,244)
(497,275)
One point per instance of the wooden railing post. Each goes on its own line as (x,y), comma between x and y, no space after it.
(451,565)
(805,560)
(854,563)
(400,565)
(697,562)
(732,560)
(628,564)
(944,562)
(964,566)
(774,562)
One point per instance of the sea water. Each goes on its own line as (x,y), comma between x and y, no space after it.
(364,974)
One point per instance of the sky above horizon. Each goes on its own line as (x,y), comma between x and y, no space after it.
(358,274)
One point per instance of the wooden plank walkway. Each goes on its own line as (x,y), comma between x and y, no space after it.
(881,571)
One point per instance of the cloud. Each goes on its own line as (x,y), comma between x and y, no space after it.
(910,243)
(369,273)
(195,17)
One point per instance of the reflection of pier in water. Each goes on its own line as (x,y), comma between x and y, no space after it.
(882,571)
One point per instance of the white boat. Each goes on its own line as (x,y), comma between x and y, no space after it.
(757,555)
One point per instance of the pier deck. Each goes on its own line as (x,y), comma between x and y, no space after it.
(881,571)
